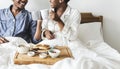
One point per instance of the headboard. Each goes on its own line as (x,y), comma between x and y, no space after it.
(91,27)
(89,17)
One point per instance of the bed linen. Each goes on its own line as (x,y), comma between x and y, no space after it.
(90,31)
(95,55)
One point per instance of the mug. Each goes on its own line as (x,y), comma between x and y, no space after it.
(36,15)
(44,13)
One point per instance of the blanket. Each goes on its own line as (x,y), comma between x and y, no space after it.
(96,55)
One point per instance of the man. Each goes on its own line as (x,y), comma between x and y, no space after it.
(62,24)
(16,21)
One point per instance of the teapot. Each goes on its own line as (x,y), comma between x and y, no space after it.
(23,49)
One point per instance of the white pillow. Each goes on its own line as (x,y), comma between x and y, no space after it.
(90,31)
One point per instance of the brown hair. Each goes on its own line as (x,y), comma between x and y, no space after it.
(66,1)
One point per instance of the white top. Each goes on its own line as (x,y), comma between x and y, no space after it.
(71,20)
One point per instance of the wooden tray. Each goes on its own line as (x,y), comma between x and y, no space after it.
(25,59)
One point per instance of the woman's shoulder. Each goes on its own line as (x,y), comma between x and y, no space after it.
(73,10)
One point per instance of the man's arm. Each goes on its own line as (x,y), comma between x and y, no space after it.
(3,40)
(38,32)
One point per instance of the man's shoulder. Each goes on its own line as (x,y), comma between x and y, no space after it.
(27,12)
(3,10)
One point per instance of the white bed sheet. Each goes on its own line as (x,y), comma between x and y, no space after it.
(97,55)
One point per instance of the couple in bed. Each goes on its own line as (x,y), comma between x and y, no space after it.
(61,25)
(59,28)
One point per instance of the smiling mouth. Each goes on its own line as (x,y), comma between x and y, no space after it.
(22,4)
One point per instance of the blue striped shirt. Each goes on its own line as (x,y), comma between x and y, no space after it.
(21,25)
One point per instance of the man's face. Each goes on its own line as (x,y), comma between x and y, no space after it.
(54,3)
(20,3)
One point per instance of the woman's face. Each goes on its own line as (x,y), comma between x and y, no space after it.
(20,3)
(54,3)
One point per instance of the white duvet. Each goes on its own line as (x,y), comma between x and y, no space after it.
(97,55)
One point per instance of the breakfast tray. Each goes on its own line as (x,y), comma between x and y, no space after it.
(25,59)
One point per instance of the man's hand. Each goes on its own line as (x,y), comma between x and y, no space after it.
(49,35)
(3,40)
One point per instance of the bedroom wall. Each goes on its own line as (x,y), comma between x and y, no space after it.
(110,11)
(108,8)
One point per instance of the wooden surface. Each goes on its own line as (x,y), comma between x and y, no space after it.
(87,17)
(25,59)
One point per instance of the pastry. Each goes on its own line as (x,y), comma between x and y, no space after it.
(41,47)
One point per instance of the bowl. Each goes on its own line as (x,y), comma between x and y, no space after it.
(22,49)
(31,53)
(54,53)
(43,55)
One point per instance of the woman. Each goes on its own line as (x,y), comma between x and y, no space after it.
(60,28)
(62,24)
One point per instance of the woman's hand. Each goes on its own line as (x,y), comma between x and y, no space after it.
(54,16)
(49,35)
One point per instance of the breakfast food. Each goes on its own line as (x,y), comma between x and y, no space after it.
(41,47)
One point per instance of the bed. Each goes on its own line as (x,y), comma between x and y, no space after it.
(96,55)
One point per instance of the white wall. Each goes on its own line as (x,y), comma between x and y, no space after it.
(5,3)
(37,5)
(31,6)
(110,11)
(108,8)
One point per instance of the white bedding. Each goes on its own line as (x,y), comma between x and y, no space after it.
(97,55)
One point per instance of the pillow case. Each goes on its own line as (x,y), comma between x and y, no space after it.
(90,31)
